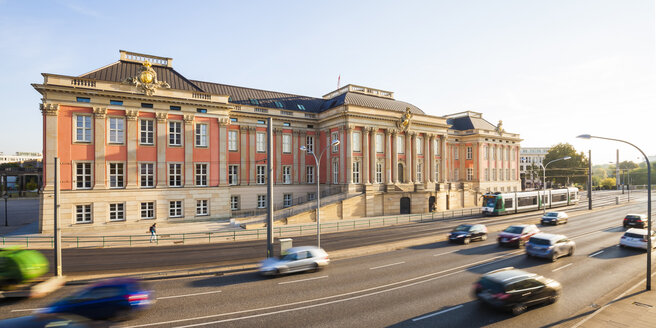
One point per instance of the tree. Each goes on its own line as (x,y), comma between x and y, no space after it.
(608,183)
(628,165)
(573,170)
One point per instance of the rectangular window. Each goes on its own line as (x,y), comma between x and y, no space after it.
(455,152)
(148,210)
(261,174)
(311,196)
(456,174)
(334,136)
(83,99)
(437,147)
(286,143)
(419,144)
(261,122)
(309,174)
(470,174)
(175,175)
(232,140)
(420,172)
(379,172)
(82,128)
(286,174)
(234,120)
(286,124)
(287,200)
(507,154)
(146,105)
(485,152)
(83,175)
(380,144)
(83,213)
(400,144)
(261,201)
(278,104)
(117,212)
(233,175)
(309,144)
(500,157)
(356,172)
(437,171)
(116,129)
(234,203)
(507,174)
(260,140)
(487,174)
(116,175)
(175,133)
(146,132)
(201,110)
(201,175)
(116,102)
(469,153)
(174,107)
(357,141)
(201,135)
(175,209)
(335,172)
(202,208)
(147,175)
(494,174)
(494,153)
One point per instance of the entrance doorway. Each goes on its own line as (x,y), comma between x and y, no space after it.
(431,204)
(405,205)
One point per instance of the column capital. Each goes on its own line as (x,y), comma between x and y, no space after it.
(188,118)
(369,129)
(411,133)
(131,114)
(161,117)
(49,109)
(99,112)
(296,132)
(243,127)
(251,128)
(393,132)
(223,121)
(277,130)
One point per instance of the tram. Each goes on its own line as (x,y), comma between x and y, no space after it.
(516,202)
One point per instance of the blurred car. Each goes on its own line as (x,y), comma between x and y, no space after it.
(118,299)
(517,235)
(305,258)
(554,218)
(465,233)
(48,320)
(515,290)
(637,238)
(550,246)
(635,221)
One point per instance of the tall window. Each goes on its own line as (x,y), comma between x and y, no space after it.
(469,153)
(309,144)
(335,172)
(234,203)
(175,209)
(83,213)
(487,174)
(379,172)
(485,152)
(260,140)
(233,174)
(82,128)
(400,144)
(494,174)
(201,175)
(507,174)
(357,141)
(494,153)
(260,174)
(419,144)
(83,175)
(437,171)
(146,132)
(309,174)
(380,144)
(420,172)
(175,133)
(116,212)
(286,143)
(470,174)
(201,135)
(455,152)
(500,156)
(334,136)
(202,208)
(286,174)
(261,201)
(147,175)
(436,144)
(507,154)
(232,140)
(148,210)
(116,175)
(116,130)
(175,175)
(456,174)
(287,200)
(356,172)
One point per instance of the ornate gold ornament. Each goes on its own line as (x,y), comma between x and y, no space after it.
(404,122)
(147,80)
(500,127)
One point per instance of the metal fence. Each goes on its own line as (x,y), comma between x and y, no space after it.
(285,205)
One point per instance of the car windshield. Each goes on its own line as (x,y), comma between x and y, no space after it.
(492,286)
(552,214)
(514,229)
(491,202)
(632,217)
(633,235)
(290,257)
(462,227)
(540,241)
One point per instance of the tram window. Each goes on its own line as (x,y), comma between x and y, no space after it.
(509,203)
(527,200)
(545,199)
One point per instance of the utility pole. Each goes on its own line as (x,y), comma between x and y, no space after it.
(58,252)
(269,187)
(590,179)
(617,171)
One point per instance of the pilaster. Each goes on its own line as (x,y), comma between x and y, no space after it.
(395,157)
(131,137)
(99,147)
(162,143)
(428,162)
(295,151)
(444,154)
(408,158)
(365,155)
(50,114)
(243,153)
(223,150)
(349,154)
(252,132)
(278,163)
(189,150)
(303,141)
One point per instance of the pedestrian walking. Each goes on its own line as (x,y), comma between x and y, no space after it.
(153,233)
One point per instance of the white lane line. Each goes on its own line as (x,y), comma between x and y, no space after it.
(562,267)
(301,280)
(438,313)
(23,310)
(440,254)
(186,295)
(386,265)
(595,254)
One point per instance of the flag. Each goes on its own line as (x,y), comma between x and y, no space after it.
(338,78)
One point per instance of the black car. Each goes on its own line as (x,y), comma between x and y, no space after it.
(635,221)
(465,233)
(515,290)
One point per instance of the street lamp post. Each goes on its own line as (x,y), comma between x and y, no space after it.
(544,180)
(649,231)
(317,165)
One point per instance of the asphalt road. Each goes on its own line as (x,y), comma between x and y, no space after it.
(425,286)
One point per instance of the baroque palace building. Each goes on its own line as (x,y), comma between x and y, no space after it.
(137,141)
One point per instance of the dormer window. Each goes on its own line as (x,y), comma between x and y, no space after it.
(278,104)
(301,107)
(254,101)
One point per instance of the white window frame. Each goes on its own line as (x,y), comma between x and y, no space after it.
(116,134)
(261,201)
(334,136)
(456,152)
(175,176)
(311,196)
(436,145)
(470,174)
(176,208)
(486,153)
(356,138)
(260,175)
(116,212)
(335,171)
(356,171)
(400,144)
(233,174)
(86,210)
(234,203)
(147,176)
(116,179)
(287,200)
(175,133)
(201,174)
(309,143)
(419,142)
(456,174)
(202,207)
(147,132)
(309,174)
(85,178)
(260,142)
(232,140)
(437,171)
(286,174)
(86,131)
(379,172)
(201,135)
(420,172)
(487,174)
(470,152)
(380,143)
(286,143)
(147,210)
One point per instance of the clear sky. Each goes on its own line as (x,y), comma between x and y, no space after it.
(551,70)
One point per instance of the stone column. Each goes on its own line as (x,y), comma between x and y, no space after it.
(162,143)
(329,156)
(372,154)
(223,150)
(243,154)
(427,159)
(295,152)
(252,131)
(303,141)
(50,118)
(444,154)
(99,145)
(188,165)
(408,157)
(431,158)
(349,154)
(131,137)
(365,155)
(277,134)
(342,156)
(395,157)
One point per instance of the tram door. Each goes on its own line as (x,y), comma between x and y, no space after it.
(431,204)
(405,205)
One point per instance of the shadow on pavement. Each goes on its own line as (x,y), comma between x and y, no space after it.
(439,244)
(469,314)
(235,279)
(482,249)
(614,252)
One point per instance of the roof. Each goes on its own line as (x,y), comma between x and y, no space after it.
(548,236)
(509,275)
(358,99)
(637,231)
(121,70)
(468,122)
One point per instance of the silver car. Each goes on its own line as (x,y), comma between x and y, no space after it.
(296,259)
(550,246)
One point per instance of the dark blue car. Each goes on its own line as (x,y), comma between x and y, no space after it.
(109,299)
(465,233)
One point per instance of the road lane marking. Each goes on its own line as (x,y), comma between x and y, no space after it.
(439,254)
(23,310)
(186,295)
(301,280)
(386,265)
(595,254)
(562,267)
(437,313)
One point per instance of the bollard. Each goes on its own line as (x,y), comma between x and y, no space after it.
(617,200)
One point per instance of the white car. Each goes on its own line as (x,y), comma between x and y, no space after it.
(637,238)
(305,258)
